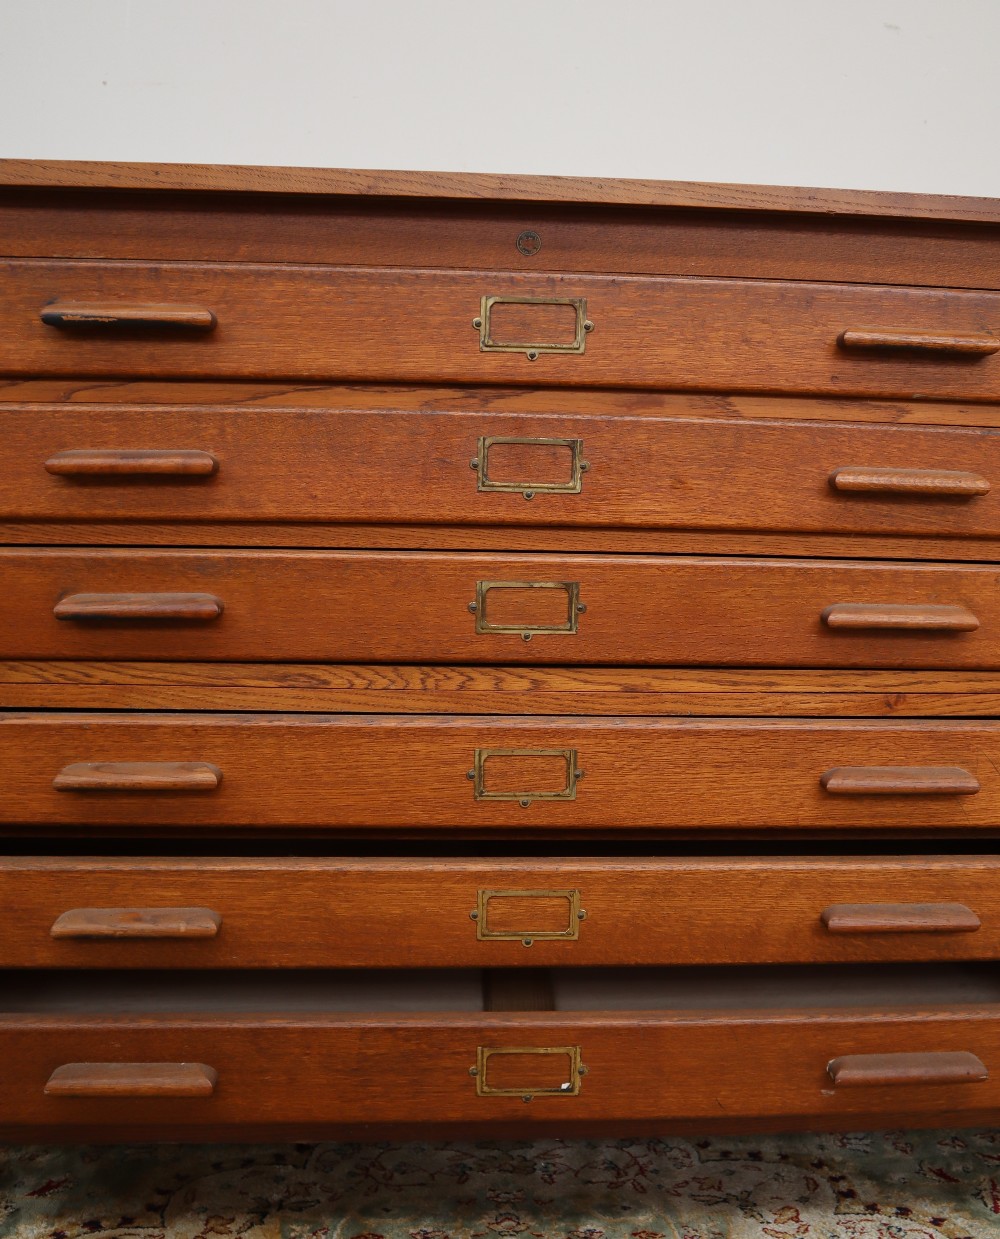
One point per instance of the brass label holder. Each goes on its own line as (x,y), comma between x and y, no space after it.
(569,1088)
(574,609)
(528,488)
(528,937)
(524,798)
(532,350)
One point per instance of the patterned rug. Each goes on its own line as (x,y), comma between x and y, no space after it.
(896,1185)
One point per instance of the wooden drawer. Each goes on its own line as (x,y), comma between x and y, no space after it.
(103,462)
(132,772)
(312,322)
(185,1053)
(410,912)
(372,606)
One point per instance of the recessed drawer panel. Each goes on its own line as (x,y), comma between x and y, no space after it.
(185,464)
(371,606)
(299,322)
(122,912)
(135,771)
(184,1054)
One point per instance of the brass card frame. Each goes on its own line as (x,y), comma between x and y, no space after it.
(531,349)
(571,1088)
(484,934)
(573,608)
(478,773)
(529,489)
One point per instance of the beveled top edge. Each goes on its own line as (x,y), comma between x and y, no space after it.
(606,191)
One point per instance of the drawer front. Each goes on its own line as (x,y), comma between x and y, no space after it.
(135,771)
(299,322)
(189,464)
(123,912)
(449,1068)
(370,606)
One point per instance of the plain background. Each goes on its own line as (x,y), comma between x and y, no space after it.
(867,94)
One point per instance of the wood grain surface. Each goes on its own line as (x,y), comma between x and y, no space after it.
(431,689)
(407,772)
(416,325)
(371,183)
(422,607)
(475,234)
(415,912)
(103,462)
(663,1065)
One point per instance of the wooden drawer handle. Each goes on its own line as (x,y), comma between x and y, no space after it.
(872,1070)
(138,776)
(69,314)
(921,617)
(196,607)
(132,1080)
(899,781)
(137,923)
(928,482)
(970,344)
(900,918)
(130,462)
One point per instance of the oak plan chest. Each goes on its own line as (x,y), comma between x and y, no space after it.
(495,655)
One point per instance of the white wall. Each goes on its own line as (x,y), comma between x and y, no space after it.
(875,94)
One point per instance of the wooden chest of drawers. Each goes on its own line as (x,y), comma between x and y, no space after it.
(495,655)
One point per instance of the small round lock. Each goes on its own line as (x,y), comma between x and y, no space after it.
(528,243)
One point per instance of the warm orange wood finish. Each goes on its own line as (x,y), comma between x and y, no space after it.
(635,239)
(331,771)
(122,463)
(900,918)
(416,912)
(906,616)
(165,606)
(978,344)
(78,316)
(416,326)
(296,464)
(873,1070)
(596,511)
(899,781)
(400,607)
(936,482)
(142,923)
(382,397)
(137,776)
(368,183)
(359,688)
(328,1069)
(132,1080)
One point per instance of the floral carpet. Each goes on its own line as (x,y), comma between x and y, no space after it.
(895,1185)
